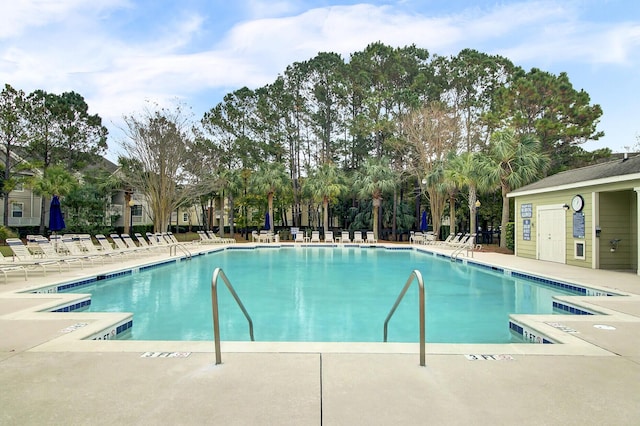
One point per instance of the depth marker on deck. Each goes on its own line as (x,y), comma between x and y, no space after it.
(165,354)
(485,357)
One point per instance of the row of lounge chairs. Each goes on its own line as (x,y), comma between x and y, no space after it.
(422,238)
(263,236)
(78,250)
(343,238)
(460,240)
(209,237)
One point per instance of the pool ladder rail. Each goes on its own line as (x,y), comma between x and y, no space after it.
(216,317)
(218,272)
(464,249)
(173,250)
(418,277)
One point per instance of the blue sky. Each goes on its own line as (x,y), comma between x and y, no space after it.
(121,53)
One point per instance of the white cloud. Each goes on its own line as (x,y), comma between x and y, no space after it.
(259,9)
(62,45)
(19,16)
(341,29)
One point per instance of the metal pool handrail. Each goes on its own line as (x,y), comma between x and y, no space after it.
(214,304)
(418,276)
(173,250)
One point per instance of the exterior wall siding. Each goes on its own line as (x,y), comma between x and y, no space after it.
(528,248)
(617,220)
(30,208)
(617,205)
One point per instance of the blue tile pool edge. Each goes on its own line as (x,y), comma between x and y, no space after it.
(112,332)
(83,301)
(517,328)
(527,334)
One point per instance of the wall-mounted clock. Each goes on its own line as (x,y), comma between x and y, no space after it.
(577,203)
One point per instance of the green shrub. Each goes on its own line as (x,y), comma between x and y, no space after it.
(6,233)
(510,235)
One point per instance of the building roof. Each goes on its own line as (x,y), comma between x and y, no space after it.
(103,163)
(628,167)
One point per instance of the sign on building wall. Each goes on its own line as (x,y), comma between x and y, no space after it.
(526,229)
(578,225)
(526,210)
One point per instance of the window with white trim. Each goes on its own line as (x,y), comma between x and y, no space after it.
(579,250)
(17,209)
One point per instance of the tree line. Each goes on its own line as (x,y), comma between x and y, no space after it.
(363,139)
(46,140)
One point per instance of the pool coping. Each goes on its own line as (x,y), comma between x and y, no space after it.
(104,326)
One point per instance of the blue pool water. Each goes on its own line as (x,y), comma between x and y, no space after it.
(321,294)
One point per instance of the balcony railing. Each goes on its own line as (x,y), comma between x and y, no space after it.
(23,221)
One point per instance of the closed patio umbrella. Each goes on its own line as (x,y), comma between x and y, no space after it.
(56,221)
(267,224)
(423,223)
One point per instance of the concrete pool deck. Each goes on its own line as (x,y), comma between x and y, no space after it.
(48,376)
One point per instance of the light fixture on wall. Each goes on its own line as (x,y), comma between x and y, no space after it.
(566,207)
(614,245)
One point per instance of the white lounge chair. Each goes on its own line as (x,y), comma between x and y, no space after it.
(156,240)
(371,238)
(75,249)
(50,251)
(468,242)
(123,247)
(204,238)
(315,236)
(451,239)
(428,238)
(144,244)
(106,246)
(357,237)
(6,267)
(471,243)
(175,240)
(299,238)
(344,238)
(416,238)
(25,258)
(328,237)
(458,240)
(91,249)
(220,240)
(131,245)
(445,241)
(265,236)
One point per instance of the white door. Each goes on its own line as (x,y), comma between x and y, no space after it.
(551,234)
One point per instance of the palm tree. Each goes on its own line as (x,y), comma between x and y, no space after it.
(325,185)
(372,181)
(56,180)
(465,170)
(269,179)
(436,187)
(513,161)
(231,181)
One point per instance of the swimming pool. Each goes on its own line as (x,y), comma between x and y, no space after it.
(321,294)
